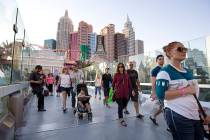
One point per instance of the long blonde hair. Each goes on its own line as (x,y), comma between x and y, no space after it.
(97,76)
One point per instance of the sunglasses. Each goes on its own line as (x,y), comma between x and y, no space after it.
(121,66)
(181,49)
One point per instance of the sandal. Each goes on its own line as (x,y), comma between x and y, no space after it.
(123,123)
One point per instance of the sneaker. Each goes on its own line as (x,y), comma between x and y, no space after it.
(126,112)
(153,120)
(168,129)
(108,106)
(74,110)
(64,110)
(123,123)
(140,116)
(41,110)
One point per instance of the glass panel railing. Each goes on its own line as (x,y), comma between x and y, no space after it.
(197,61)
(13,44)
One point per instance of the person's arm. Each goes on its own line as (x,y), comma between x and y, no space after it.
(153,95)
(130,88)
(138,81)
(172,94)
(162,88)
(102,81)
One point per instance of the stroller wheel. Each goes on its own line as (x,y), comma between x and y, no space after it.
(90,116)
(80,116)
(74,111)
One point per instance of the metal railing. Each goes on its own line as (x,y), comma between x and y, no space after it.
(146,89)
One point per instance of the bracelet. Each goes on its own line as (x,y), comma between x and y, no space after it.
(181,92)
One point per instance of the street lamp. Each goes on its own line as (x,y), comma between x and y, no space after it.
(15,29)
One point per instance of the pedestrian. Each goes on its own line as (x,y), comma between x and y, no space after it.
(175,85)
(98,85)
(49,83)
(65,82)
(37,81)
(122,87)
(135,84)
(106,85)
(77,81)
(157,108)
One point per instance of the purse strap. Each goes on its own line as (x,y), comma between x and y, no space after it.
(200,107)
(203,113)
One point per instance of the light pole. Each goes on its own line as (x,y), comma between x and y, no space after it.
(23,45)
(15,29)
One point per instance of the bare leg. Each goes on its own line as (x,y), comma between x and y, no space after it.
(136,106)
(64,99)
(88,107)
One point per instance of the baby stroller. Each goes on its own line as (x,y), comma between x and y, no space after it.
(83,105)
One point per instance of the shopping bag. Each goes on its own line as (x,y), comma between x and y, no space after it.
(111,95)
(148,105)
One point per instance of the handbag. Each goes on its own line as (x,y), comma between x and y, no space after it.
(203,113)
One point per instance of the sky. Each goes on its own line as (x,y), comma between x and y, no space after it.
(156,22)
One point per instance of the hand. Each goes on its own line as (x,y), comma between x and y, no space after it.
(190,90)
(39,82)
(133,93)
(153,96)
(207,120)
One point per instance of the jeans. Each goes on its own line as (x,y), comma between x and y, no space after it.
(97,89)
(183,128)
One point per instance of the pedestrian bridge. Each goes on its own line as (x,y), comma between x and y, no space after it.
(54,124)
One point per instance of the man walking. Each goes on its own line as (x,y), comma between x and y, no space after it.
(157,108)
(135,84)
(106,84)
(37,81)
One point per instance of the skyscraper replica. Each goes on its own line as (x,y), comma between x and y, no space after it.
(130,37)
(84,30)
(65,27)
(109,32)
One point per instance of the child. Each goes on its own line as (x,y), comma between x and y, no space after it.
(83,101)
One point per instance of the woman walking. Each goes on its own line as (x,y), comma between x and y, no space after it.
(49,83)
(65,83)
(98,85)
(122,86)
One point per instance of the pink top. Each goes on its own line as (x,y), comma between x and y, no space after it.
(49,80)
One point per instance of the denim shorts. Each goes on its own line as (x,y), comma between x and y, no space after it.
(65,89)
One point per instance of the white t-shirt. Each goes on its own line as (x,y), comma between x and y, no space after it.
(170,78)
(65,80)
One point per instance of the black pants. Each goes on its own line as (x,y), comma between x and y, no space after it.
(122,103)
(40,97)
